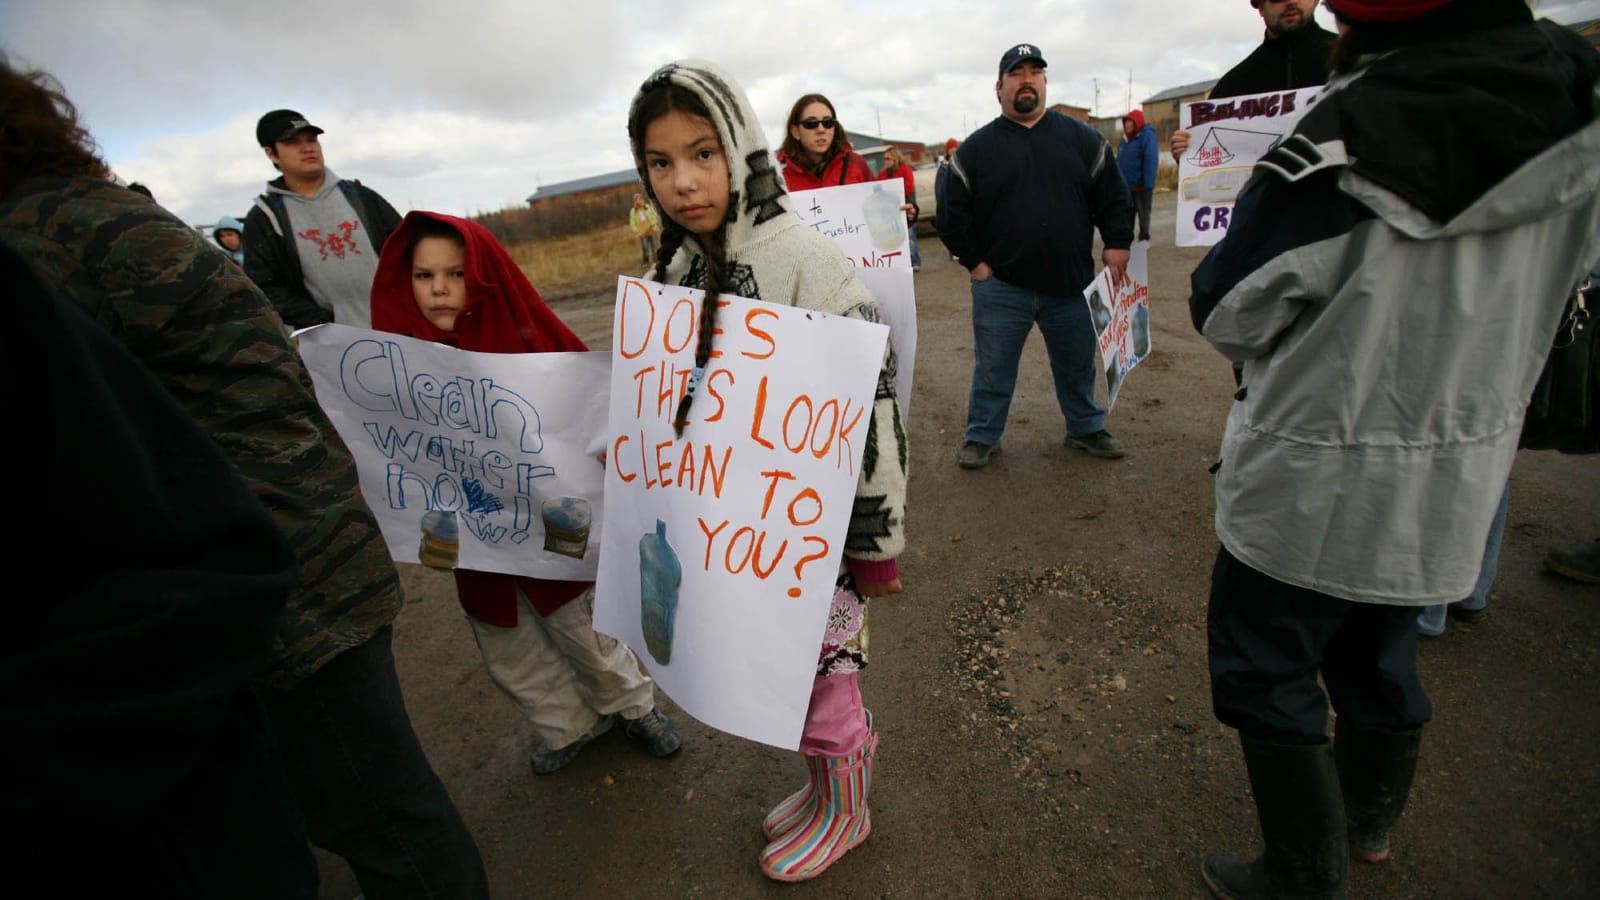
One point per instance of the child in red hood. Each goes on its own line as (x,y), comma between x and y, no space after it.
(448,280)
(1136,158)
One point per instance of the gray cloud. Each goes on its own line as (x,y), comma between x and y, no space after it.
(469,107)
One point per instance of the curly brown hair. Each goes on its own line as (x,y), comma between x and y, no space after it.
(39,130)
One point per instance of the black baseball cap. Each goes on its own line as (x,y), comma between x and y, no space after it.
(281,125)
(1019,54)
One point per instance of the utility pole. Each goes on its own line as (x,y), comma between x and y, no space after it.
(1129,105)
(879,113)
(1096,83)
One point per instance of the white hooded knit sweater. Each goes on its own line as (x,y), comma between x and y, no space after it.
(772,256)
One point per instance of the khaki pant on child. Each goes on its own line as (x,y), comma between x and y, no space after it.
(562,673)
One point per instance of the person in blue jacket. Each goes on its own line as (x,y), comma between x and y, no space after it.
(1136,157)
(229,235)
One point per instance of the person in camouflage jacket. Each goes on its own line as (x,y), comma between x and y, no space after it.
(200,326)
(216,344)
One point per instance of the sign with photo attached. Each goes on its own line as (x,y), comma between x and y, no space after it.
(476,460)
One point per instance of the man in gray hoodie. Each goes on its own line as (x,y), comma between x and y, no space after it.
(312,240)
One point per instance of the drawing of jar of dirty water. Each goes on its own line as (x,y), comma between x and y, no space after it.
(566,525)
(441,540)
(885,222)
(660,575)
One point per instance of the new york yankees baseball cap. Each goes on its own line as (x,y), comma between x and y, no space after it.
(1018,54)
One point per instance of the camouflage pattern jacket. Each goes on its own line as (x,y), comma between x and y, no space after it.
(216,344)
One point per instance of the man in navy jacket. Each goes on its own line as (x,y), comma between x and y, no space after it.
(1023,198)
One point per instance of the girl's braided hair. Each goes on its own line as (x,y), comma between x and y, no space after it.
(657,101)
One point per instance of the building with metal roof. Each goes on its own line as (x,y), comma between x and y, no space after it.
(585,185)
(1186,91)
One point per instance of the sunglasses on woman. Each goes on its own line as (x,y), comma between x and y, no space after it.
(814,124)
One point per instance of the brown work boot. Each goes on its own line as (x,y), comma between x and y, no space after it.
(1099,443)
(975,455)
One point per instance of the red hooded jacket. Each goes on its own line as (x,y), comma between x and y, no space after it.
(848,167)
(503,314)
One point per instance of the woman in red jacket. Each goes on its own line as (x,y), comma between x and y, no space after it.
(897,166)
(816,153)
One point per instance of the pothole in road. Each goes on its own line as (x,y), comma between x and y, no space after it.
(1086,689)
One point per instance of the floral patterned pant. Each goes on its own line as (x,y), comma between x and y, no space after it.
(844,641)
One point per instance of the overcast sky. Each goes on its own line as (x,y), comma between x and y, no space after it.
(468,106)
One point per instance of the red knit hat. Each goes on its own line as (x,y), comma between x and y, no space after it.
(1383,10)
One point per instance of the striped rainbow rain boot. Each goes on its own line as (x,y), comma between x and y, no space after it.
(838,819)
(797,807)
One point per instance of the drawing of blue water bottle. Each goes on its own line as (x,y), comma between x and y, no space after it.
(885,222)
(1141,330)
(660,574)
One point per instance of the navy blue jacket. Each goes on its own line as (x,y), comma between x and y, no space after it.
(1284,63)
(1027,201)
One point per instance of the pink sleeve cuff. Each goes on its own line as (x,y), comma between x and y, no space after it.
(870,570)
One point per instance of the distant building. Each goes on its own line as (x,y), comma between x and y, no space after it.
(1162,109)
(573,207)
(1110,127)
(1077,112)
(624,183)
(872,147)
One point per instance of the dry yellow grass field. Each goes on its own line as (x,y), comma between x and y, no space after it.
(1167,175)
(580,263)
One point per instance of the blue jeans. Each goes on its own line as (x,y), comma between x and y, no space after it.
(916,255)
(647,247)
(1003,315)
(1430,619)
(364,784)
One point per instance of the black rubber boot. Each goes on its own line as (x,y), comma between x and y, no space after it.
(1297,798)
(1376,769)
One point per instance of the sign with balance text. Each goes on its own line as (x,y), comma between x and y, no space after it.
(1226,138)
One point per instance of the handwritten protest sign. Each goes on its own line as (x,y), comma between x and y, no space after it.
(477,460)
(856,218)
(1226,137)
(720,548)
(1121,317)
(863,219)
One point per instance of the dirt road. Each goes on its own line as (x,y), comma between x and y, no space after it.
(1040,688)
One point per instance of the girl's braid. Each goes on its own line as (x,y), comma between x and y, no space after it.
(671,239)
(716,275)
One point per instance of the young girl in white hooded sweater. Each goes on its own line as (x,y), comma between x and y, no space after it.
(729,229)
